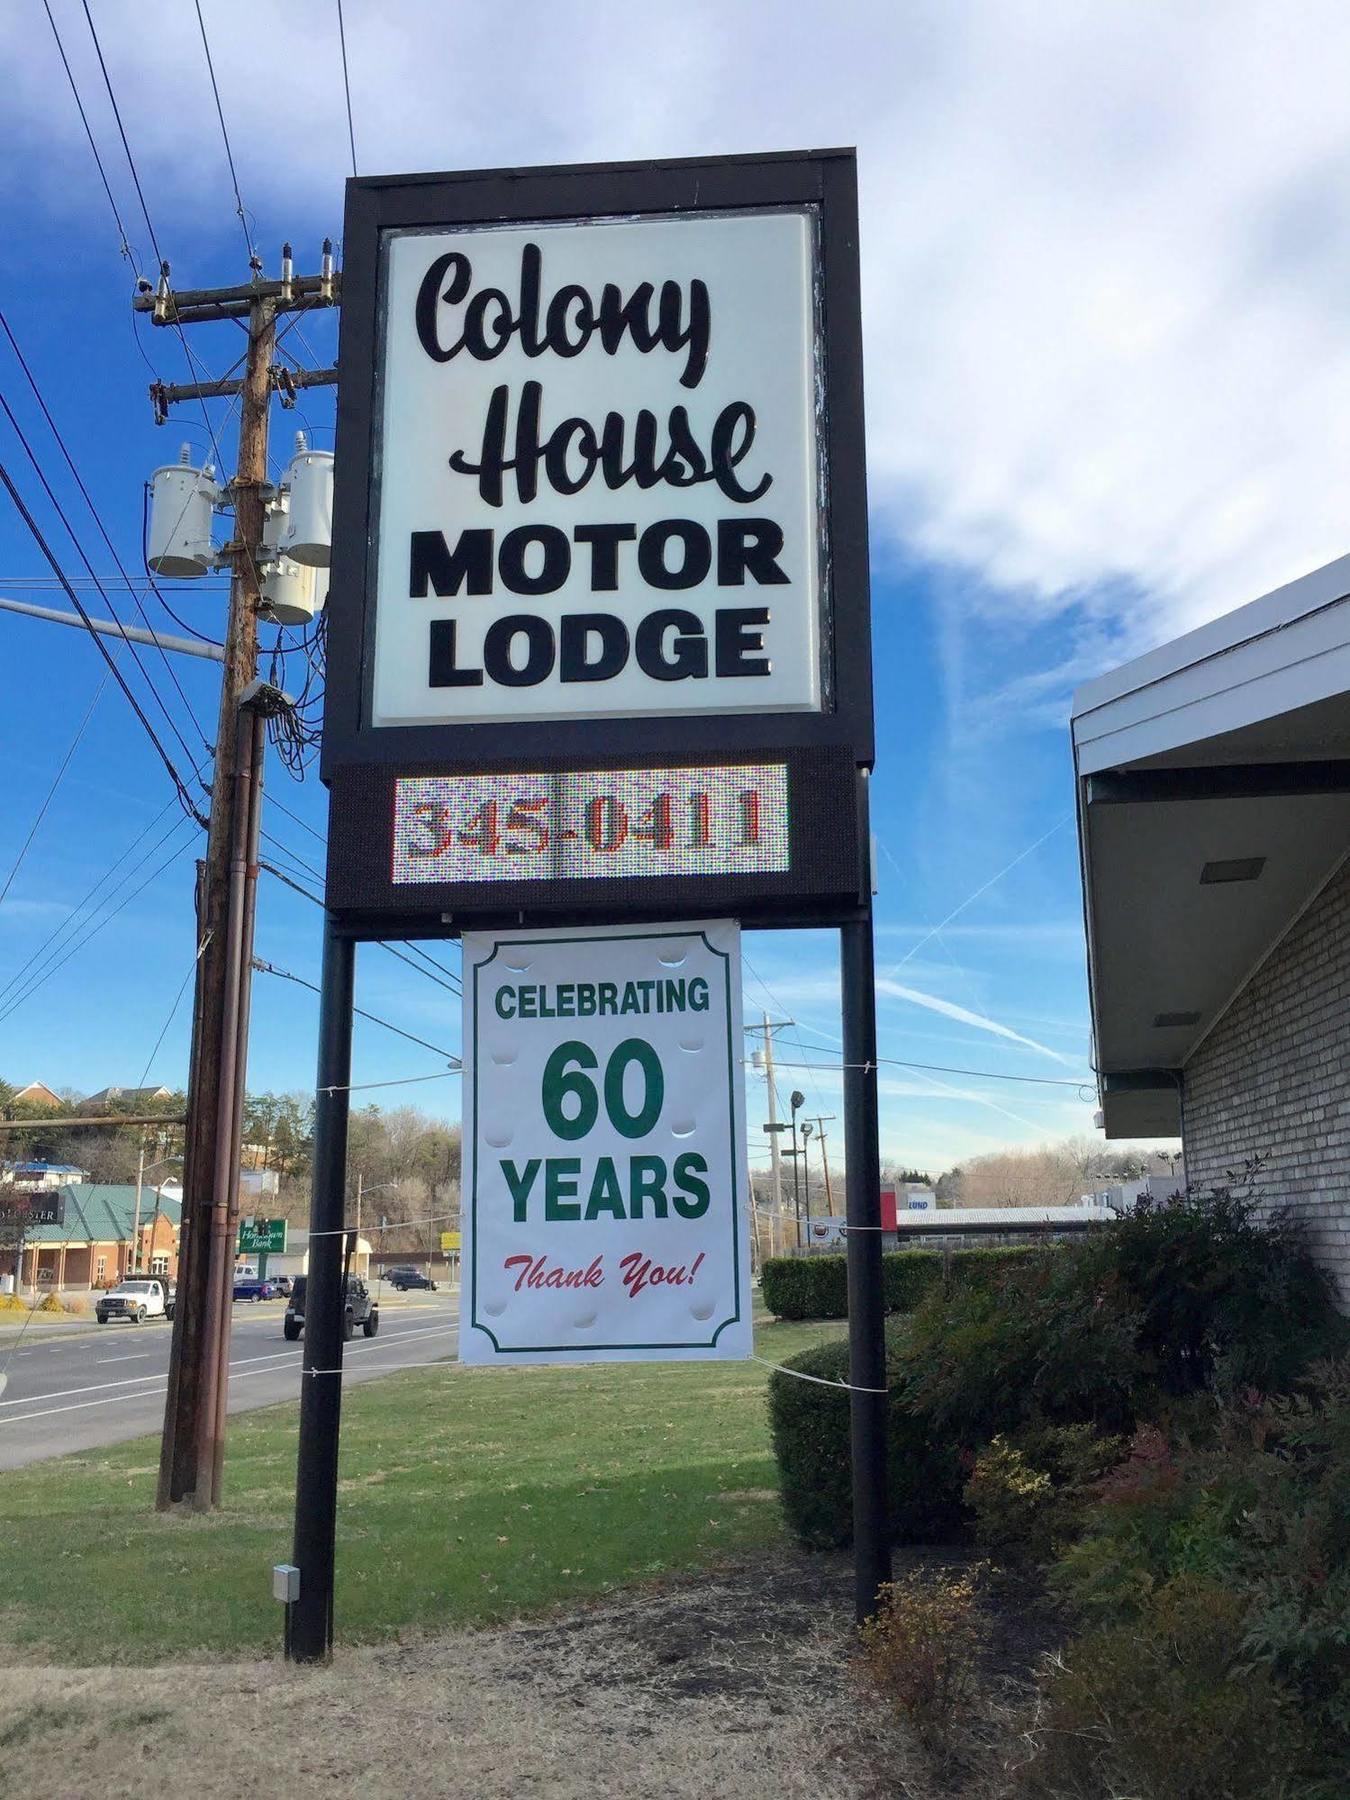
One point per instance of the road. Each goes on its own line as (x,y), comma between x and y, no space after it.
(101,1384)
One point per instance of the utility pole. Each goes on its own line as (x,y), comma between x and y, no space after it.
(765,1056)
(822,1119)
(192,1445)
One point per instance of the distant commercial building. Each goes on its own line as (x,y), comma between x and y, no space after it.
(37,1093)
(41,1175)
(1213,780)
(92,1242)
(120,1096)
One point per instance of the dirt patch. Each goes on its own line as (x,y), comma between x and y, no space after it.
(736,1682)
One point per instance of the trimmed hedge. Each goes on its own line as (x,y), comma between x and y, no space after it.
(816,1287)
(811,1443)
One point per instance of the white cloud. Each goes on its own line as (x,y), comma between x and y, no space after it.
(1105,249)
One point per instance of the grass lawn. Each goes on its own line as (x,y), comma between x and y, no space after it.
(466,1496)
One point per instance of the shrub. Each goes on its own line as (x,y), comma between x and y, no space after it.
(1152,1710)
(1033,1341)
(1028,1494)
(805,1287)
(1261,1515)
(1220,1294)
(920,1649)
(816,1287)
(49,1304)
(810,1427)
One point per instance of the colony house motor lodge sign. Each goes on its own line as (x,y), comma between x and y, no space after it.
(598,486)
(599,606)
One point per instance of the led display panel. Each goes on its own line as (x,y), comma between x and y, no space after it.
(590,825)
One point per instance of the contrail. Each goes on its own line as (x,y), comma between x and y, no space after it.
(950,1010)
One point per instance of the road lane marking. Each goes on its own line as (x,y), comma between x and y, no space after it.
(148,1394)
(133,1356)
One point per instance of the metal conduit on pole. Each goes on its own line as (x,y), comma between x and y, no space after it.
(220,1269)
(254,720)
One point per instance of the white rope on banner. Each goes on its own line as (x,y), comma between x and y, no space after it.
(847,1387)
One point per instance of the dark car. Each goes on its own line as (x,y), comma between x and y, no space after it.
(403,1279)
(358,1308)
(248,1287)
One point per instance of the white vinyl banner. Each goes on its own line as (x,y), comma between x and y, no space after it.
(604,1137)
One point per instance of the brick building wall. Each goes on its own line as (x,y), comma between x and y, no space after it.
(1273,1080)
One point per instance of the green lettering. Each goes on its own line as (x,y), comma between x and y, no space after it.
(698,994)
(520,1182)
(609,998)
(504,1011)
(630,999)
(585,1000)
(691,1197)
(647,1181)
(545,1010)
(525,1003)
(606,1196)
(565,998)
(560,1186)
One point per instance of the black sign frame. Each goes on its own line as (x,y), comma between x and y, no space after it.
(823,180)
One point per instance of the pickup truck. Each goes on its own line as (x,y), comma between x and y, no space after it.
(136,1299)
(248,1287)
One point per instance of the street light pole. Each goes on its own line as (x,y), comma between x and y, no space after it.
(796,1101)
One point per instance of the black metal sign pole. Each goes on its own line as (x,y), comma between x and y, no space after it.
(309,1618)
(869,1404)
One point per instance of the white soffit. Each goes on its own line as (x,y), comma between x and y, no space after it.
(1287,651)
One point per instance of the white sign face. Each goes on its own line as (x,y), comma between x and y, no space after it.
(604,1207)
(598,493)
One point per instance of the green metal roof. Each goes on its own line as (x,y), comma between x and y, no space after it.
(99,1213)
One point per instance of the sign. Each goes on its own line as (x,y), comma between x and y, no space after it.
(826,1231)
(451,1240)
(605,1215)
(593,825)
(601,489)
(259,1237)
(598,466)
(33,1206)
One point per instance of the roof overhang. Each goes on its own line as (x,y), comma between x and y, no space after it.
(1213,805)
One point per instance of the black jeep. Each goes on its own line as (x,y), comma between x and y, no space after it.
(358,1309)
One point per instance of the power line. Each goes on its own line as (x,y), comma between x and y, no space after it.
(894,1062)
(450,985)
(73,921)
(56,782)
(107,599)
(74,598)
(145,211)
(131,161)
(103,533)
(347,86)
(45,975)
(229,154)
(163,1030)
(127,250)
(267,968)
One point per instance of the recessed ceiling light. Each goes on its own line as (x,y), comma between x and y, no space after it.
(1178,1018)
(1236,868)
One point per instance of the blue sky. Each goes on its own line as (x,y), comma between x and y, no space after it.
(1105,259)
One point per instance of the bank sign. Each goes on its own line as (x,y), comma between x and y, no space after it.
(605,1203)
